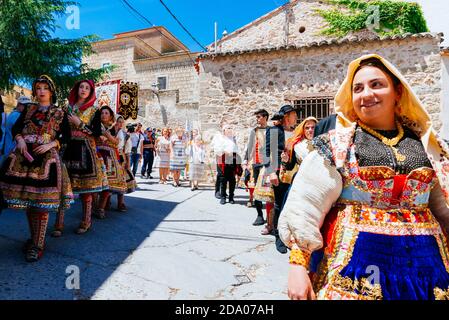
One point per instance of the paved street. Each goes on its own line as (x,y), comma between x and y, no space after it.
(171,244)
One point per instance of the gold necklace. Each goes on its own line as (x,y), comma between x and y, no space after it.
(389,142)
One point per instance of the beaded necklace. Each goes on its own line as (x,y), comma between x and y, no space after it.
(389,142)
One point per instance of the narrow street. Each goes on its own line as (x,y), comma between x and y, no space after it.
(171,244)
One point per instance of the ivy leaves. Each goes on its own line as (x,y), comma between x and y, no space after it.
(386,17)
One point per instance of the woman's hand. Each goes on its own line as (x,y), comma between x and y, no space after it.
(299,285)
(22,146)
(74,120)
(274,180)
(44,148)
(284,157)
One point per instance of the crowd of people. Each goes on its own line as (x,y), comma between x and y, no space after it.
(363,191)
(366,186)
(50,154)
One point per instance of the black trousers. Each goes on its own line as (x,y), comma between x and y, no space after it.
(228,176)
(257,203)
(218,180)
(148,159)
(279,193)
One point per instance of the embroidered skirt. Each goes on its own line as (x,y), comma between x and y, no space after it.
(42,183)
(114,170)
(374,254)
(131,183)
(86,169)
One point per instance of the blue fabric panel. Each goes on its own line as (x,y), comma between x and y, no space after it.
(410,267)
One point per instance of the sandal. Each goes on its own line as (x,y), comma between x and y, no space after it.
(266,230)
(33,254)
(83,228)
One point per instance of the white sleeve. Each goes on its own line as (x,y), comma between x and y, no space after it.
(438,207)
(121,140)
(316,187)
(128,146)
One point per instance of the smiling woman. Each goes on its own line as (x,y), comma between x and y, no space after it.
(372,196)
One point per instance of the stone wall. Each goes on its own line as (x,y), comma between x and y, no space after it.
(232,87)
(279,28)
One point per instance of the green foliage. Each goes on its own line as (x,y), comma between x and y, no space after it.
(395,17)
(27,48)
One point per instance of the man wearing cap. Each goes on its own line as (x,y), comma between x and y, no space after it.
(275,145)
(148,153)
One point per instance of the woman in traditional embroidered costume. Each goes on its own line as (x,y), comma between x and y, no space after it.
(296,149)
(107,147)
(85,167)
(378,187)
(124,149)
(33,177)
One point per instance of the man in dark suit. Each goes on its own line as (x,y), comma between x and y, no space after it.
(275,145)
(325,125)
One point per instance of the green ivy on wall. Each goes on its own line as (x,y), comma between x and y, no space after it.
(394,17)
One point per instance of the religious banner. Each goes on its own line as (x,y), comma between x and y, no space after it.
(129,100)
(108,94)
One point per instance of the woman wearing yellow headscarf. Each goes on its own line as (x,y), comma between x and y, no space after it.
(378,188)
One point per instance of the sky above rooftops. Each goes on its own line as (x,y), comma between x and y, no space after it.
(108,17)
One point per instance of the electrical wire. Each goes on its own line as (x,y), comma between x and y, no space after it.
(154,26)
(182,26)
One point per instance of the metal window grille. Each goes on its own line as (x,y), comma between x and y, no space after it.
(162,83)
(318,107)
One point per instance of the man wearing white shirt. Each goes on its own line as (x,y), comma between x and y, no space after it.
(136,150)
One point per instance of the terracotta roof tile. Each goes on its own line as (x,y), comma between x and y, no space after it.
(362,36)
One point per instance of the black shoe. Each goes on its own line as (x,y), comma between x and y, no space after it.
(217,195)
(223,201)
(231,200)
(149,176)
(280,246)
(142,175)
(259,221)
(33,254)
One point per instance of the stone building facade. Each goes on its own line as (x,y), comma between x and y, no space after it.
(250,69)
(10,98)
(149,57)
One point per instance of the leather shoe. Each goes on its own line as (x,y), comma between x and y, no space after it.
(222,201)
(280,246)
(259,221)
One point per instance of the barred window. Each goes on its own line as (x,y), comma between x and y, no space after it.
(162,82)
(318,107)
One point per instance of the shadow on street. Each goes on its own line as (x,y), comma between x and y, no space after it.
(97,254)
